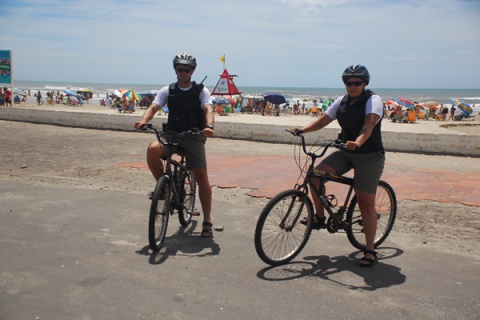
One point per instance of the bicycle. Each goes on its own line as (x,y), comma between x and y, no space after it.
(279,235)
(175,191)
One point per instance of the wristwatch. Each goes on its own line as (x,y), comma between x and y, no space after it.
(210,126)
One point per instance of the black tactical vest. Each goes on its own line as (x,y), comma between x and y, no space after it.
(185,108)
(351,118)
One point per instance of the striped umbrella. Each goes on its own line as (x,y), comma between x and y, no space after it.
(130,95)
(405,102)
(465,107)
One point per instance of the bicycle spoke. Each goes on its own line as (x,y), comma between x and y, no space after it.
(386,208)
(279,236)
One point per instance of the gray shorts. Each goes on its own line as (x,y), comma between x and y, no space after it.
(367,167)
(194,147)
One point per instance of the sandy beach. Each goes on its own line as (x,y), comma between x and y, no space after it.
(464,127)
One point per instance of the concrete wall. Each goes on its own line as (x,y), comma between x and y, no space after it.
(446,144)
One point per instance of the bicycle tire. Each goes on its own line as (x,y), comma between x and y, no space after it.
(188,189)
(276,244)
(159,214)
(386,207)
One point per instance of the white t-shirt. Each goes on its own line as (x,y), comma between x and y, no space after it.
(161,98)
(374,105)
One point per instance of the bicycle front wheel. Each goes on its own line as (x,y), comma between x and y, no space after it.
(159,214)
(188,189)
(386,207)
(279,235)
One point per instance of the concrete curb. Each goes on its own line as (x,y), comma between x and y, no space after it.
(434,143)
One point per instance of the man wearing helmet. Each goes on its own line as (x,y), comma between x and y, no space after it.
(190,106)
(359,114)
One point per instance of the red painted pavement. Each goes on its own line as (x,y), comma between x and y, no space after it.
(266,176)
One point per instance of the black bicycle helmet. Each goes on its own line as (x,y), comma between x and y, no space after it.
(186,59)
(356,71)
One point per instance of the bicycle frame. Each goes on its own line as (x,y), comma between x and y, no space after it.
(172,175)
(314,177)
(280,235)
(178,166)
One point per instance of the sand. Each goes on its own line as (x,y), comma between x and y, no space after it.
(470,126)
(81,158)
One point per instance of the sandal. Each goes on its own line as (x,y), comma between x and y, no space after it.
(318,224)
(368,262)
(207,230)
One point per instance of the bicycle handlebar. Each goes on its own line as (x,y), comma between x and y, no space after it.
(335,143)
(151,127)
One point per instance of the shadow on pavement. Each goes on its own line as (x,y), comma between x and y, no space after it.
(183,242)
(335,269)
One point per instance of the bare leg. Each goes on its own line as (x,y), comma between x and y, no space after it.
(154,152)
(205,194)
(366,203)
(204,191)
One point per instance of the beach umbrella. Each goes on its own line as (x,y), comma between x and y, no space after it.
(274,97)
(19,92)
(430,103)
(221,100)
(465,107)
(130,95)
(119,93)
(69,92)
(325,104)
(405,102)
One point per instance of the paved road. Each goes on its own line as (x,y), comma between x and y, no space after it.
(82,254)
(73,250)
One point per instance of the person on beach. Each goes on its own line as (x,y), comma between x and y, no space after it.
(444,111)
(360,114)
(8,97)
(452,113)
(39,98)
(190,106)
(2,98)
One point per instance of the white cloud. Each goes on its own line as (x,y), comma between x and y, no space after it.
(270,43)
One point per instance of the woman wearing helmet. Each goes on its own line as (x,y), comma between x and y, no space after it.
(359,114)
(190,106)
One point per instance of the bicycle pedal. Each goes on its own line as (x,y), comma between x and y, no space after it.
(195,214)
(332,200)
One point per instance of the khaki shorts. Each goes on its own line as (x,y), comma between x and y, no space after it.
(367,168)
(194,147)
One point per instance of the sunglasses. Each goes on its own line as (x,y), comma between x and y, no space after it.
(186,70)
(354,83)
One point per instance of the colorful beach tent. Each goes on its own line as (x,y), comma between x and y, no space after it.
(225,85)
(465,107)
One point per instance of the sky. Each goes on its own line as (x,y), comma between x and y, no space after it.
(272,43)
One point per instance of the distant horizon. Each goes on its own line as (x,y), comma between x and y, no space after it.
(248,86)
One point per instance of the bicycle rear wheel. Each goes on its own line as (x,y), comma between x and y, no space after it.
(386,207)
(159,214)
(188,189)
(279,235)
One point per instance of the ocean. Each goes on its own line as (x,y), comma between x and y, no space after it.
(441,96)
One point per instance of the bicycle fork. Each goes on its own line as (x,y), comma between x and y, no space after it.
(287,224)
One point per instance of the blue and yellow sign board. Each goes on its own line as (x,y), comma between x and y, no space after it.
(5,66)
